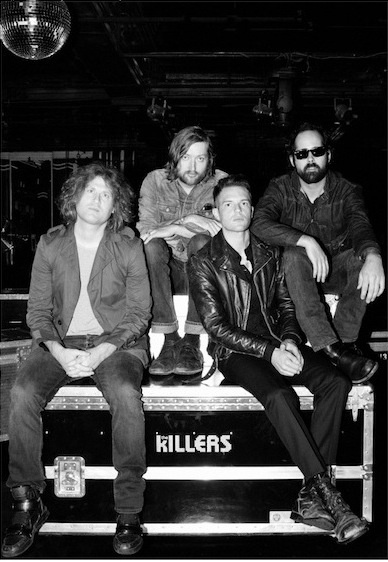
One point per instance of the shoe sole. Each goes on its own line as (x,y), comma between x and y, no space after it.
(368,376)
(160,373)
(42,521)
(319,523)
(129,551)
(354,537)
(186,372)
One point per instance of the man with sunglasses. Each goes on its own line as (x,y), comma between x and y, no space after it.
(329,248)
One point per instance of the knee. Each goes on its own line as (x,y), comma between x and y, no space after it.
(343,383)
(197,242)
(295,258)
(337,382)
(22,396)
(294,254)
(125,397)
(156,250)
(124,378)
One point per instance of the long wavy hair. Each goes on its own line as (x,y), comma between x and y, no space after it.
(74,186)
(181,144)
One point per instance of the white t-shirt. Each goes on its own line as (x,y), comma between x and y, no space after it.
(83,321)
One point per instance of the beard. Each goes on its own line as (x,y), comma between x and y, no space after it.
(312,173)
(189,178)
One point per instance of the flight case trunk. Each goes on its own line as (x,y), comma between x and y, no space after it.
(215,464)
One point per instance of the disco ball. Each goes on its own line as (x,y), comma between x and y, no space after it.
(34,29)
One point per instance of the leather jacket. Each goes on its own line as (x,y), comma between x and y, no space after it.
(222,298)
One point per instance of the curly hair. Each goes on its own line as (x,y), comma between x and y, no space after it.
(181,144)
(74,186)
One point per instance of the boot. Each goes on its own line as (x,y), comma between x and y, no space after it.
(189,360)
(349,359)
(28,515)
(165,363)
(128,538)
(309,509)
(348,527)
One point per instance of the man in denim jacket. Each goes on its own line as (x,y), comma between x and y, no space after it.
(330,247)
(175,221)
(89,309)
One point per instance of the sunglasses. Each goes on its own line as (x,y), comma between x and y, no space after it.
(304,152)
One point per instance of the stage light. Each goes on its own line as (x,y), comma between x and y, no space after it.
(343,111)
(158,110)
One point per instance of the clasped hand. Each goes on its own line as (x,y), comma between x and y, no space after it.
(79,363)
(287,359)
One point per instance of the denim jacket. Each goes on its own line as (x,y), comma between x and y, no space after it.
(118,289)
(338,218)
(162,202)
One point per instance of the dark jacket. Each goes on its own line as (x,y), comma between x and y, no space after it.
(222,299)
(338,219)
(118,289)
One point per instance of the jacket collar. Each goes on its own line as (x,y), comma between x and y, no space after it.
(220,252)
(104,253)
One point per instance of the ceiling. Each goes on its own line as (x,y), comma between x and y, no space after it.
(203,63)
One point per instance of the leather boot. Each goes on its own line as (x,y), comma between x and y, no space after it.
(348,527)
(309,509)
(189,361)
(128,538)
(28,515)
(350,361)
(165,363)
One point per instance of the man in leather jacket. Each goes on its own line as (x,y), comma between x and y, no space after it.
(89,309)
(242,300)
(320,220)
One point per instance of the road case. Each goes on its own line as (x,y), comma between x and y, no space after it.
(215,464)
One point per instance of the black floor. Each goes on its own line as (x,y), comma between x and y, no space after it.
(370,546)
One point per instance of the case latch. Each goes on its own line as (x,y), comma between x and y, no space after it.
(69,477)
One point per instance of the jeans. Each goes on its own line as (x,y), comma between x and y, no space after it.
(311,311)
(168,276)
(119,379)
(312,450)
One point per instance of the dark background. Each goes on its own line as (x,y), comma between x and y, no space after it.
(210,64)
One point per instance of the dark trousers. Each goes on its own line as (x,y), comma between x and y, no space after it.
(166,274)
(119,379)
(311,311)
(311,449)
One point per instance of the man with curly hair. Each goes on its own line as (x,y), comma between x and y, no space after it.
(88,310)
